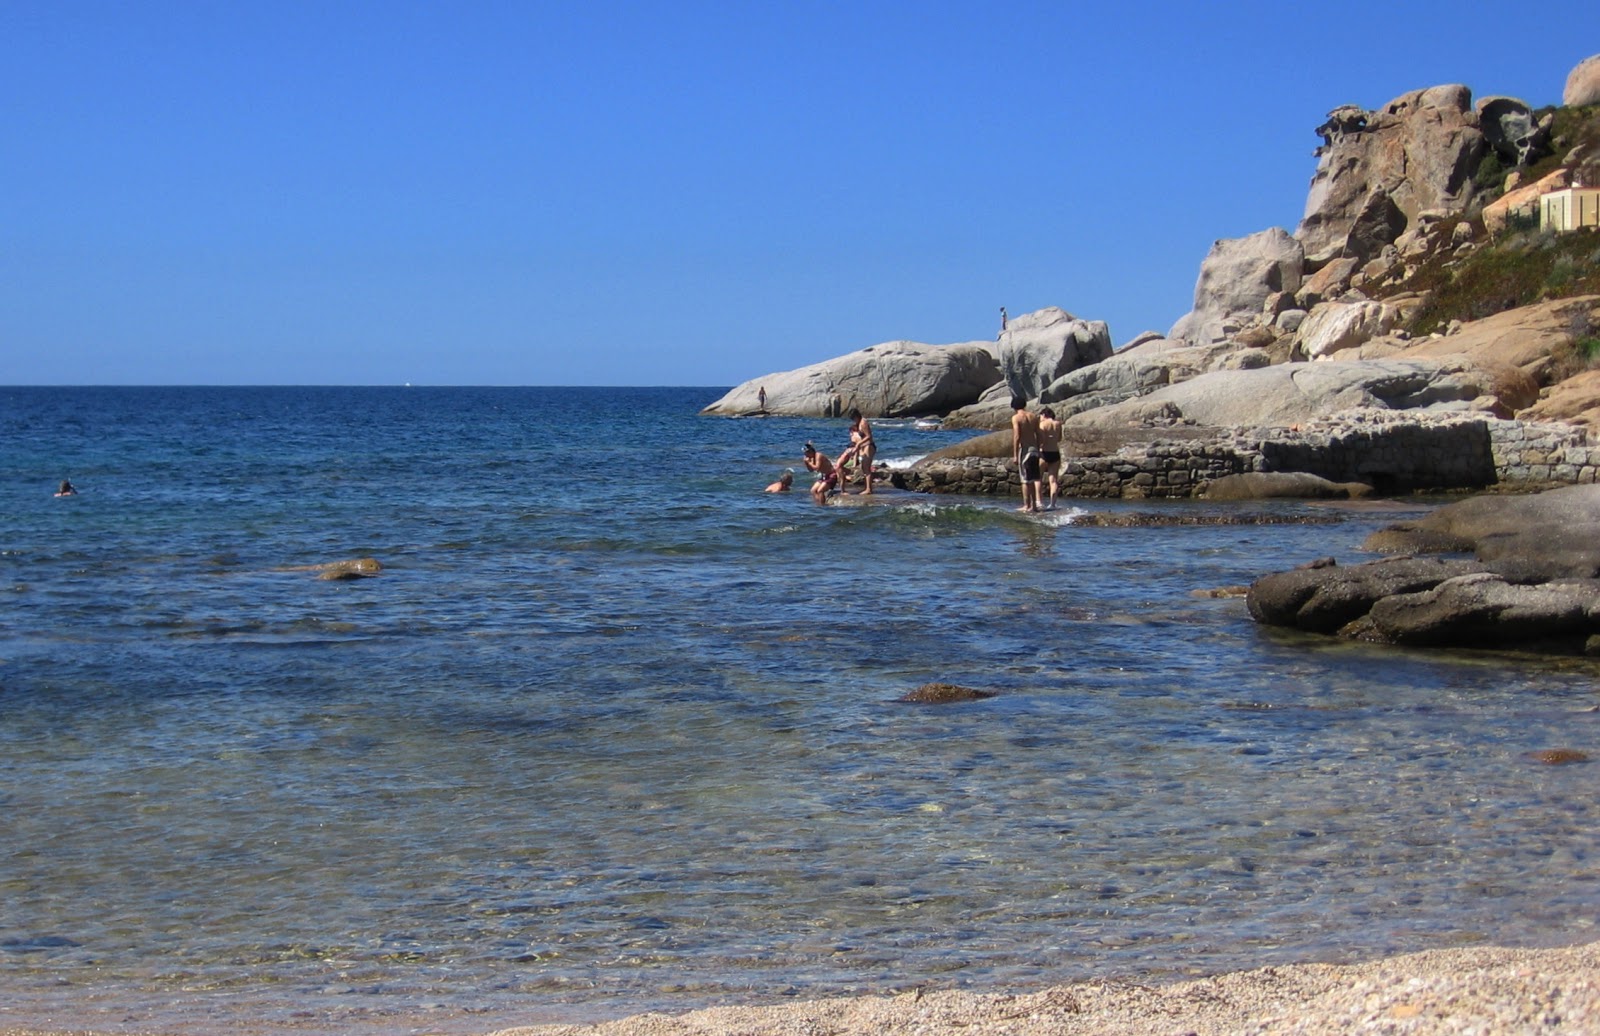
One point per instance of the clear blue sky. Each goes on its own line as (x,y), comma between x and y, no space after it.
(683,193)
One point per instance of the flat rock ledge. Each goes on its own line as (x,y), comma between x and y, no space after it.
(1533,583)
(1387,451)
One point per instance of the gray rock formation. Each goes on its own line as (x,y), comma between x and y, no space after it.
(1324,597)
(1039,347)
(1294,393)
(1416,153)
(1583,84)
(893,379)
(1335,326)
(1531,586)
(1545,536)
(1236,279)
(1509,125)
(1272,485)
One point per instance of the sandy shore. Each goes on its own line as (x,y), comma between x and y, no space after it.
(1484,991)
(1493,992)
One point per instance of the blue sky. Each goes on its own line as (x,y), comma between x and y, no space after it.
(685,193)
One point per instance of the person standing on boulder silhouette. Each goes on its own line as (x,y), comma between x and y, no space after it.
(761,398)
(1025,450)
(1002,323)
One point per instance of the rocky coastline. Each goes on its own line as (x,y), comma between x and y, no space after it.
(1413,334)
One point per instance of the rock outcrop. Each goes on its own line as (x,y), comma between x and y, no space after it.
(1236,280)
(1294,393)
(1379,171)
(1039,347)
(1531,584)
(893,379)
(1548,535)
(1511,128)
(1583,84)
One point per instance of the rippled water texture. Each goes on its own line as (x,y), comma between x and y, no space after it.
(614,730)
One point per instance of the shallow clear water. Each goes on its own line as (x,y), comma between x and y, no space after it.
(614,730)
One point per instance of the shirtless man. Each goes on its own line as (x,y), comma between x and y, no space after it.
(827,474)
(1050,451)
(785,482)
(862,445)
(1025,450)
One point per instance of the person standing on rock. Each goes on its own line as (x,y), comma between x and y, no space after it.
(827,473)
(862,446)
(1049,454)
(761,398)
(1002,323)
(1025,451)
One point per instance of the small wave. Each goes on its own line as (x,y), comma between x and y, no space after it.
(1070,516)
(902,463)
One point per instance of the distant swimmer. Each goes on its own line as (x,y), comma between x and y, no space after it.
(67,489)
(785,482)
(827,475)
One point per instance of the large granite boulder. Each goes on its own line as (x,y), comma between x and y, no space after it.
(1039,347)
(1236,279)
(1333,327)
(1114,380)
(1416,153)
(894,379)
(1512,129)
(1294,393)
(1583,84)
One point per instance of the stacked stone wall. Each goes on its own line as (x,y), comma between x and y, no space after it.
(1393,451)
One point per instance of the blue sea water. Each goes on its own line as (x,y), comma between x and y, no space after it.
(613,730)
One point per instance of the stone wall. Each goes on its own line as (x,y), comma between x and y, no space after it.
(1393,451)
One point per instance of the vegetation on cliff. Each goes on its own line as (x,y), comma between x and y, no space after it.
(1524,265)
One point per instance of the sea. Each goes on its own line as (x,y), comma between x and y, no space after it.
(614,730)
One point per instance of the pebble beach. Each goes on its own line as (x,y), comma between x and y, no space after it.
(1488,991)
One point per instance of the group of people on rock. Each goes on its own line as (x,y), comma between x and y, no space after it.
(833,473)
(1036,441)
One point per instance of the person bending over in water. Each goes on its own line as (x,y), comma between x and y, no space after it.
(67,489)
(827,475)
(785,482)
(1050,452)
(862,446)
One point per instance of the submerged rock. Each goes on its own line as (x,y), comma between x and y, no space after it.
(356,568)
(942,693)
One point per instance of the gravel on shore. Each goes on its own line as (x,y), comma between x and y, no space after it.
(1480,991)
(1492,992)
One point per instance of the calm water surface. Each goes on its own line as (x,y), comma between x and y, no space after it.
(614,730)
